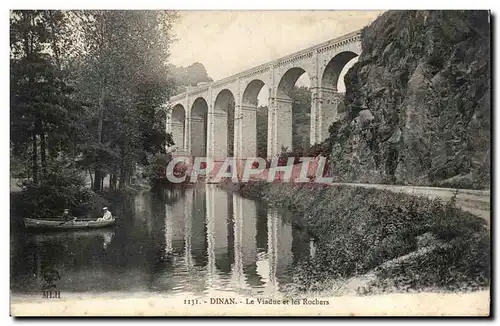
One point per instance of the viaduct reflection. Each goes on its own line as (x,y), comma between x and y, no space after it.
(193,239)
(221,240)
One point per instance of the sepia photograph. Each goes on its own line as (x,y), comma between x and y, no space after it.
(250,163)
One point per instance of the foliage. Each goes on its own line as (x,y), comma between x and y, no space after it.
(230,109)
(43,111)
(156,170)
(262,121)
(59,188)
(301,119)
(88,90)
(469,256)
(316,150)
(357,230)
(124,76)
(89,85)
(191,75)
(301,108)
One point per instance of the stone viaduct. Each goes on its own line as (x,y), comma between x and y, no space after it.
(198,118)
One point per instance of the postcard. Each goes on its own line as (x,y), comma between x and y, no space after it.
(250,163)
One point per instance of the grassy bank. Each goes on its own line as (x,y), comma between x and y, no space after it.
(396,241)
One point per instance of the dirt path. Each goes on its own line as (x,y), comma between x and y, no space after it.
(476,202)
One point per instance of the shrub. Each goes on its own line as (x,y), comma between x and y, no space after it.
(156,171)
(57,189)
(356,230)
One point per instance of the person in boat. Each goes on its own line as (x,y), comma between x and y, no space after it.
(107,216)
(66,216)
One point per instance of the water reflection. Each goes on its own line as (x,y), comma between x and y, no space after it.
(195,240)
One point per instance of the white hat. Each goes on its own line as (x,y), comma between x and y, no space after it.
(104,208)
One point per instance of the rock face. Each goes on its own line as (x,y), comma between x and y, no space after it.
(418,102)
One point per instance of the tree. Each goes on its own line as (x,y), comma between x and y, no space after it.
(189,76)
(124,62)
(301,108)
(42,108)
(261,119)
(87,93)
(301,121)
(230,127)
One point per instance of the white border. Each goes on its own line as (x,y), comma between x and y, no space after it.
(251,5)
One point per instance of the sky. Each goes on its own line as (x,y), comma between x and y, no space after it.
(228,42)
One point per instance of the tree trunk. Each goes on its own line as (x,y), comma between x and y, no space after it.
(43,148)
(112,182)
(101,115)
(73,155)
(123,177)
(97,179)
(35,158)
(123,168)
(91,179)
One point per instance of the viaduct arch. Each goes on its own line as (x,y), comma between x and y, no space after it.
(199,118)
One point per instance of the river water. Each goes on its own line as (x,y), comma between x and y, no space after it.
(191,240)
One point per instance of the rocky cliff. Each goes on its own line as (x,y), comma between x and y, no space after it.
(418,102)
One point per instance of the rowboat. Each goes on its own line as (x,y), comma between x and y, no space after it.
(58,224)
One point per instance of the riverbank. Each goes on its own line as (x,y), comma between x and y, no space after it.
(122,304)
(380,241)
